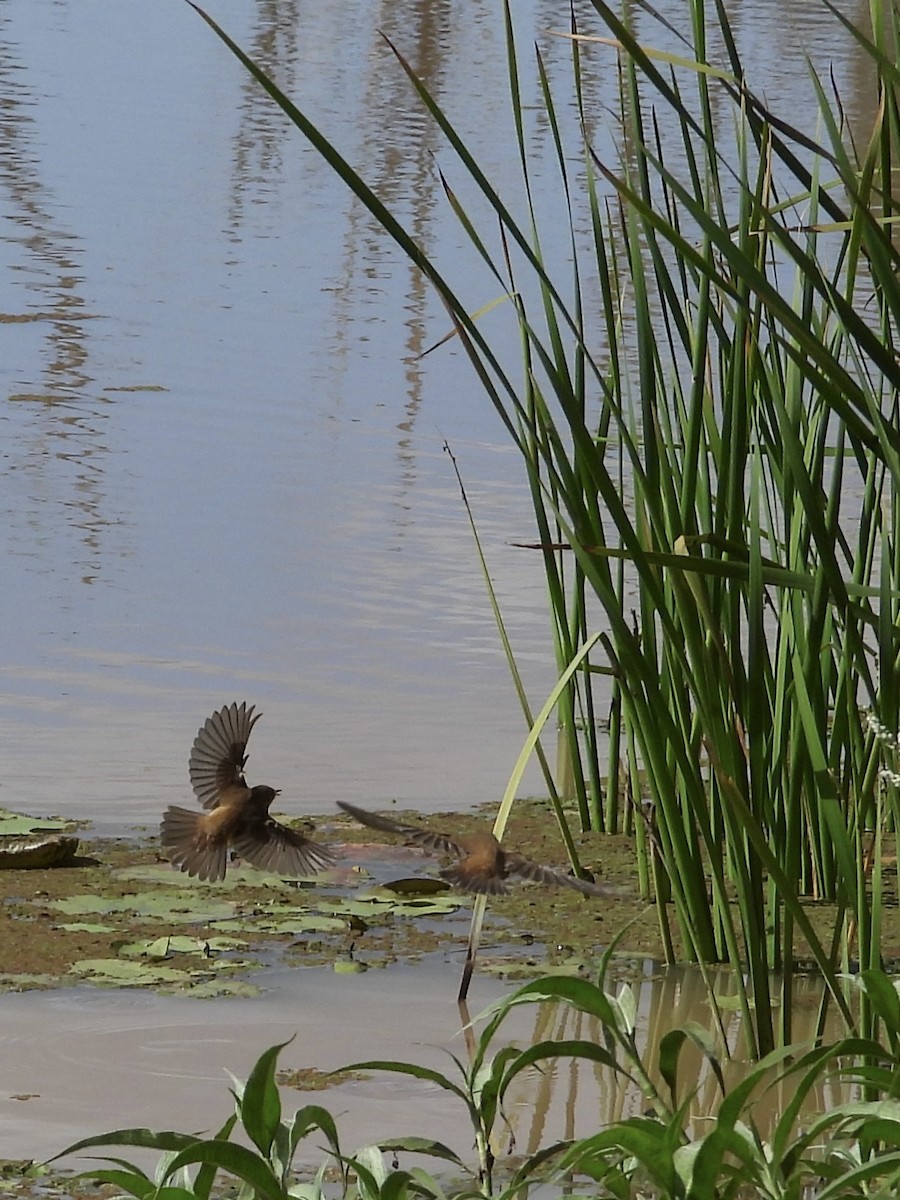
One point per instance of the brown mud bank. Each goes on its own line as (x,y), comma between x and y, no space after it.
(119,916)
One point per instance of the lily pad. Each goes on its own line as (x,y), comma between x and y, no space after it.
(381,899)
(211,989)
(220,945)
(86,927)
(292,923)
(421,885)
(76,906)
(175,907)
(159,948)
(236,878)
(114,972)
(166,947)
(15,824)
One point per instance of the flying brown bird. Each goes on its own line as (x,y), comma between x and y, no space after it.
(484,865)
(238,815)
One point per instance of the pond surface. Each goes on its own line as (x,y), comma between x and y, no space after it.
(82,1062)
(223,473)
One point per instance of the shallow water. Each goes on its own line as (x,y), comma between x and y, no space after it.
(80,1062)
(223,475)
(91,1060)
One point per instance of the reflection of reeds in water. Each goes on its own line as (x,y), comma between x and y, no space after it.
(569,1098)
(656,1141)
(58,419)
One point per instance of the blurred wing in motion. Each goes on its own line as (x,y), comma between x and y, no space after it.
(439,843)
(276,848)
(518,864)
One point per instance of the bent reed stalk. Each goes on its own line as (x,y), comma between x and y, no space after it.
(706,408)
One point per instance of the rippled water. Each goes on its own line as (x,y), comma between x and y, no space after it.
(222,470)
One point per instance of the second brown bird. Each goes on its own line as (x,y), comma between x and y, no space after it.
(484,865)
(238,815)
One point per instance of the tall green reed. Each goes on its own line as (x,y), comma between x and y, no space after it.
(712,451)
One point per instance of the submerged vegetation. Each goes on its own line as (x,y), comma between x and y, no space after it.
(706,407)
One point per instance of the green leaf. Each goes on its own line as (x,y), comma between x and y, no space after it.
(116,973)
(13,824)
(133,1183)
(416,1072)
(418,1145)
(260,1103)
(241,1162)
(145,1138)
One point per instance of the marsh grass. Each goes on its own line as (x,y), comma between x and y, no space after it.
(706,411)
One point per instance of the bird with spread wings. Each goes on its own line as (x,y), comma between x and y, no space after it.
(484,865)
(236,816)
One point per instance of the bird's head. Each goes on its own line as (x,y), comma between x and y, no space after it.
(264,795)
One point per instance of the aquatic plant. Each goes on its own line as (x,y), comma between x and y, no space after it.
(849,1149)
(706,409)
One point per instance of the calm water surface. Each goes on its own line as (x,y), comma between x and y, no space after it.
(222,466)
(221,462)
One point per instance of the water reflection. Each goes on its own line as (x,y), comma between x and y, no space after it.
(55,437)
(569,1098)
(92,1060)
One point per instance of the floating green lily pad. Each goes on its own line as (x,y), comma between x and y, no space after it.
(236,878)
(291,922)
(166,947)
(86,927)
(14,824)
(175,907)
(212,989)
(381,899)
(115,972)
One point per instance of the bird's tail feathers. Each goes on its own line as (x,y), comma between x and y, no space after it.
(188,847)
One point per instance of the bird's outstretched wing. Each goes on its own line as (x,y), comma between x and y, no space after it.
(216,765)
(518,864)
(439,843)
(274,847)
